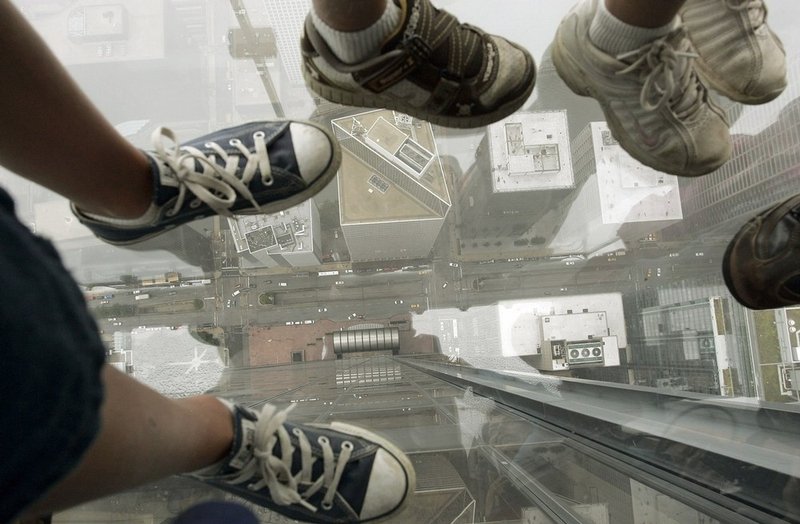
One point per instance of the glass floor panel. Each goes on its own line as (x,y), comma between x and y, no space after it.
(521,273)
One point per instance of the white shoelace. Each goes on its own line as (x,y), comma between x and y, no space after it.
(757,10)
(215,185)
(276,471)
(668,75)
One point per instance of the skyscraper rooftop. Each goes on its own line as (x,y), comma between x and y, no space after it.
(531,151)
(390,169)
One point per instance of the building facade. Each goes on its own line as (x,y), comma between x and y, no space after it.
(564,333)
(393,196)
(523,168)
(618,199)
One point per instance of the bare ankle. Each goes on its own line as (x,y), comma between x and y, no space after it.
(128,202)
(349,15)
(641,13)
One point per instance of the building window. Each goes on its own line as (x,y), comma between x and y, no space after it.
(298,356)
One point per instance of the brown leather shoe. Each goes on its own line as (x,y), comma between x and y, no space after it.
(762,262)
(433,68)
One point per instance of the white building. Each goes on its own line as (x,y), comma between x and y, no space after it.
(618,199)
(393,197)
(290,238)
(531,152)
(564,332)
(524,170)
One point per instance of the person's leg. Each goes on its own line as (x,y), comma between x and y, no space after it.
(355,30)
(80,429)
(54,136)
(620,26)
(143,437)
(645,13)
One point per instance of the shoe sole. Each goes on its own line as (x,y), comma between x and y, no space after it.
(393,450)
(570,72)
(316,186)
(366,99)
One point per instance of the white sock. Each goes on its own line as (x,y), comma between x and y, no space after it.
(352,47)
(615,37)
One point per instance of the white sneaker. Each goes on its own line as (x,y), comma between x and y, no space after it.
(654,102)
(739,55)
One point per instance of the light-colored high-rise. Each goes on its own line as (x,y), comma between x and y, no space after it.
(525,168)
(393,197)
(287,18)
(618,199)
(290,238)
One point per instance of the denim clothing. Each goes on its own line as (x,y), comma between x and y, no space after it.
(51,355)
